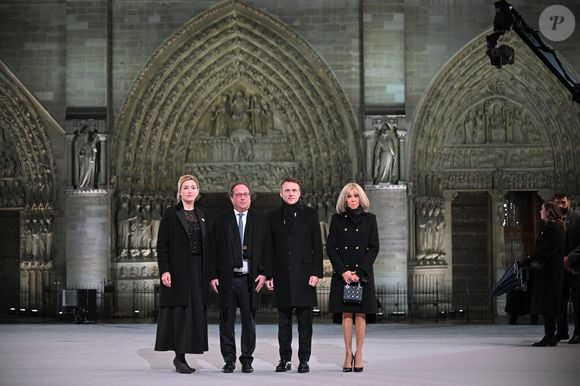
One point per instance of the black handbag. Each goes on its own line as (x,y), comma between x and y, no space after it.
(352,294)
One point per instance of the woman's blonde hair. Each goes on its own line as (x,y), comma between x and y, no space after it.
(182,179)
(341,201)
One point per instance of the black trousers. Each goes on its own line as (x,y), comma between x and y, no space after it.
(240,298)
(304,317)
(572,293)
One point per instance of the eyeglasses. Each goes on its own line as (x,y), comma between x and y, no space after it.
(240,195)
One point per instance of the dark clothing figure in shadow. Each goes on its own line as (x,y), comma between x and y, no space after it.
(547,262)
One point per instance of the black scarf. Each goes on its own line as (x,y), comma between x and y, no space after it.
(355,214)
(289,214)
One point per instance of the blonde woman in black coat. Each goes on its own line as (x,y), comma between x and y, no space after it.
(352,246)
(181,251)
(548,266)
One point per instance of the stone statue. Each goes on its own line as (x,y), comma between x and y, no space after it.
(240,116)
(421,233)
(220,118)
(384,155)
(85,156)
(123,226)
(267,118)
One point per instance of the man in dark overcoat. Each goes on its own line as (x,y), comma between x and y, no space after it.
(238,271)
(571,282)
(297,268)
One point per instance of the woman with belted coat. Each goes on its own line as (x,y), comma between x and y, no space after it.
(352,247)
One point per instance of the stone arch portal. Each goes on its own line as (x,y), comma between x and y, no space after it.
(27,195)
(484,132)
(480,128)
(235,87)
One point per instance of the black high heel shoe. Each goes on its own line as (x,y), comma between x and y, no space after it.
(356,369)
(349,369)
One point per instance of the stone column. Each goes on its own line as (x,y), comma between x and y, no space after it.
(389,204)
(498,244)
(369,143)
(103,176)
(87,238)
(402,163)
(69,138)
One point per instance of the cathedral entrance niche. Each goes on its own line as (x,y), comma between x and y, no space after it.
(471,249)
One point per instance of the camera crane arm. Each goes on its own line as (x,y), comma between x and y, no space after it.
(506,18)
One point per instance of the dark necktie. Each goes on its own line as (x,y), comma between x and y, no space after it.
(238,263)
(241,229)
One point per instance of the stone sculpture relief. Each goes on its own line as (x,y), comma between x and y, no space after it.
(430,232)
(238,110)
(496,121)
(137,223)
(9,160)
(37,238)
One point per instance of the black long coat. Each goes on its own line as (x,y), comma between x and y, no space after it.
(572,249)
(353,245)
(174,256)
(549,253)
(297,255)
(225,243)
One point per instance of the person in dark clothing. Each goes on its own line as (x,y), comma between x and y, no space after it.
(571,283)
(297,268)
(548,264)
(239,267)
(181,250)
(352,247)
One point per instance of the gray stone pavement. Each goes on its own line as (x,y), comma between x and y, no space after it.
(395,354)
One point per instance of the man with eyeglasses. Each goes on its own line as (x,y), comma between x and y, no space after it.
(571,282)
(240,265)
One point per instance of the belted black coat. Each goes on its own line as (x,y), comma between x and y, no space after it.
(297,255)
(225,244)
(174,256)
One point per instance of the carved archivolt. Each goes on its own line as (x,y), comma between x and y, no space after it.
(478,127)
(27,177)
(235,87)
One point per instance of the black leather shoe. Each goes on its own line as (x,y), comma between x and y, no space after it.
(283,366)
(546,341)
(575,339)
(560,337)
(303,367)
(182,367)
(228,367)
(247,367)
